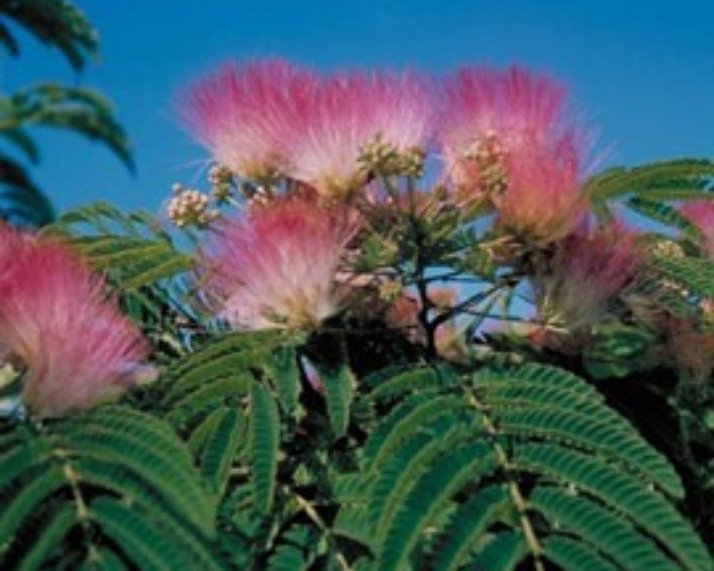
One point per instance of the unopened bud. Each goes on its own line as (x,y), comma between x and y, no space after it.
(377,155)
(675,287)
(667,249)
(220,174)
(488,154)
(412,162)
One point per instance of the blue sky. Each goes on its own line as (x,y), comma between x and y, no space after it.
(643,72)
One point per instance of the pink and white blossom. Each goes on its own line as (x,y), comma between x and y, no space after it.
(246,114)
(55,322)
(270,118)
(276,266)
(504,138)
(588,273)
(351,110)
(542,198)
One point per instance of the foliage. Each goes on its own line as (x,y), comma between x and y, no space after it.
(58,24)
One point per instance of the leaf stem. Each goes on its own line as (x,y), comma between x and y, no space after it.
(514,490)
(315,517)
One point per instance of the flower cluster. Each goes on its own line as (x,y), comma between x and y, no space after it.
(57,326)
(505,140)
(331,167)
(503,136)
(272,119)
(190,207)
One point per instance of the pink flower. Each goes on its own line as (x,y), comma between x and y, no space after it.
(701,214)
(542,197)
(312,375)
(504,137)
(276,267)
(351,110)
(587,275)
(246,114)
(78,350)
(269,118)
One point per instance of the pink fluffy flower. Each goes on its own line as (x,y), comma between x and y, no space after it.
(270,118)
(276,267)
(701,214)
(503,136)
(542,196)
(351,110)
(588,273)
(76,348)
(247,114)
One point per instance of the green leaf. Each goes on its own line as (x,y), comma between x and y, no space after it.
(200,364)
(16,461)
(467,527)
(398,475)
(696,274)
(595,434)
(575,556)
(53,532)
(56,23)
(618,350)
(77,109)
(433,489)
(21,200)
(150,449)
(283,370)
(678,173)
(26,501)
(502,553)
(219,450)
(138,537)
(603,530)
(664,214)
(264,442)
(339,391)
(208,397)
(624,493)
(7,39)
(23,142)
(233,366)
(107,561)
(407,381)
(420,410)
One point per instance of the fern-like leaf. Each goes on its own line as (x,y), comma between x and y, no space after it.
(431,491)
(219,449)
(264,441)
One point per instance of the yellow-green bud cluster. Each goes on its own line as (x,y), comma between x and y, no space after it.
(667,249)
(412,162)
(256,194)
(675,287)
(220,178)
(488,155)
(380,156)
